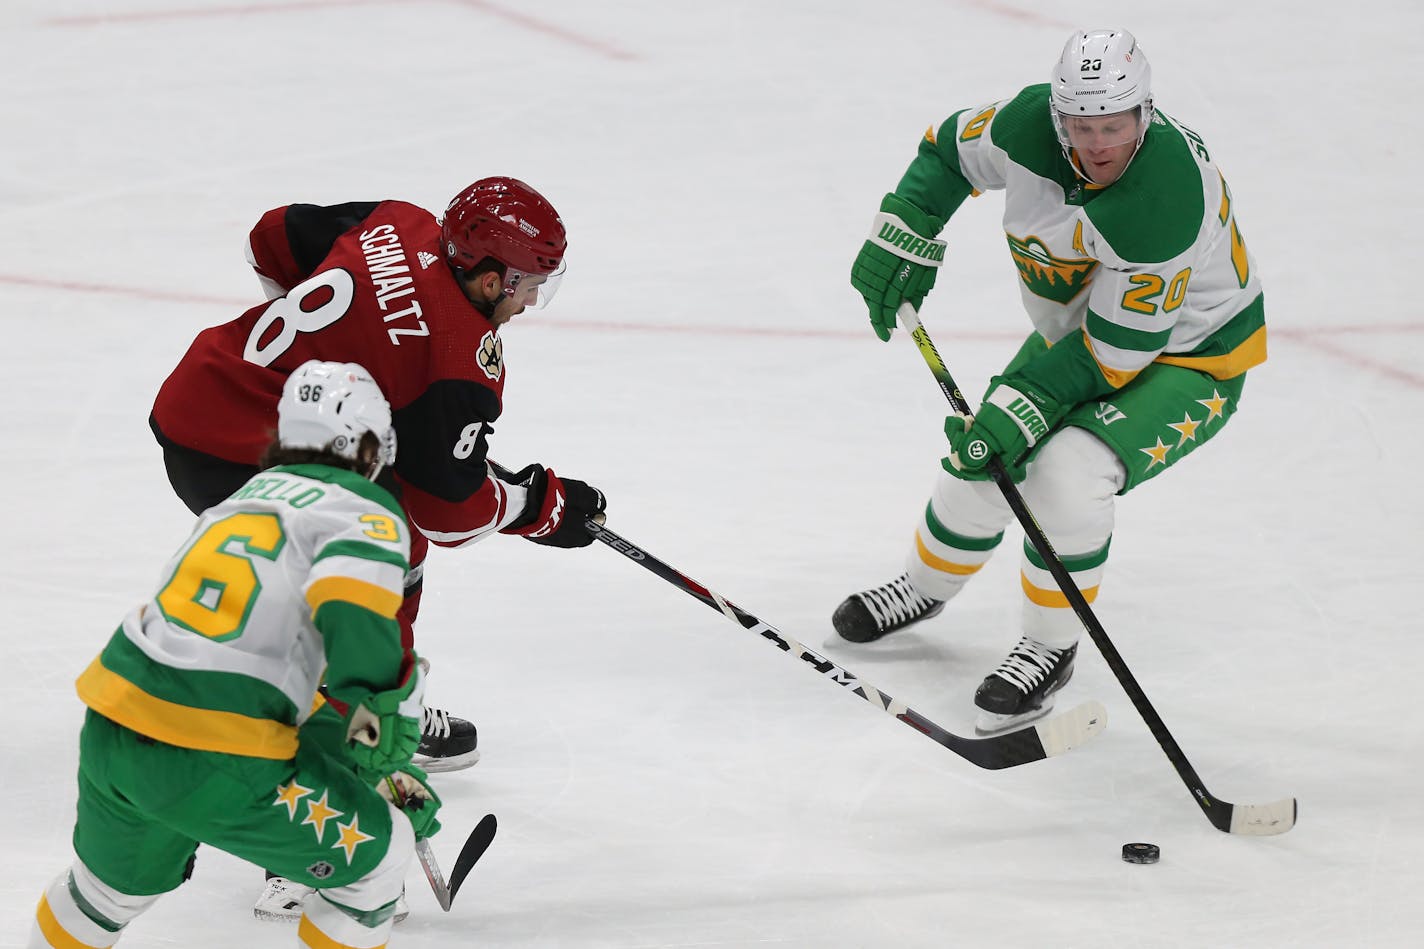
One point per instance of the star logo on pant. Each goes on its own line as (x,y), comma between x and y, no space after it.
(318,813)
(289,795)
(351,838)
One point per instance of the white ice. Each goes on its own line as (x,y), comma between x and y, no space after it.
(662,777)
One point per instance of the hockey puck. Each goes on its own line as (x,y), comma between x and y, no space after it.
(1141,853)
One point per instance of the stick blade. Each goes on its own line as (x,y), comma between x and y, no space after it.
(475,846)
(1263,820)
(1062,733)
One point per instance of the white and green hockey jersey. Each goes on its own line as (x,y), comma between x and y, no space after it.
(1150,268)
(292,581)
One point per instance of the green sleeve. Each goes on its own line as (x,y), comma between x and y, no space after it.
(933,181)
(1067,374)
(363,650)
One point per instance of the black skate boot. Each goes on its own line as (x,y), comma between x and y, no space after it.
(1021,689)
(447,743)
(866,616)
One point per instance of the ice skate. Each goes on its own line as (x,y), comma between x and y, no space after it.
(282,901)
(447,743)
(1021,690)
(866,616)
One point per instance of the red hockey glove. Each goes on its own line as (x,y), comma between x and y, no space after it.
(556,508)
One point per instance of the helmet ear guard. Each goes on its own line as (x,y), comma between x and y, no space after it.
(330,406)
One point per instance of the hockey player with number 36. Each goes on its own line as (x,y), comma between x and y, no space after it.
(204,722)
(1147,313)
(420,303)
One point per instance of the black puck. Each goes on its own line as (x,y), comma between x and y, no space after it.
(1141,853)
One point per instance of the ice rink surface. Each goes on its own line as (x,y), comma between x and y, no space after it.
(662,777)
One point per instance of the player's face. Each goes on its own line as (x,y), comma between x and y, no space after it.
(516,299)
(1104,143)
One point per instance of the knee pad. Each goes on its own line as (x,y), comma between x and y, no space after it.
(1070,487)
(360,913)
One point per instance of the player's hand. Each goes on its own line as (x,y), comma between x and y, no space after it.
(956,429)
(409,790)
(898,263)
(556,509)
(1009,423)
(383,728)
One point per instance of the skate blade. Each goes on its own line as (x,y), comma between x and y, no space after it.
(992,723)
(452,763)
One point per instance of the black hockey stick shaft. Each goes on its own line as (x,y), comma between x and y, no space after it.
(1231,818)
(1050,738)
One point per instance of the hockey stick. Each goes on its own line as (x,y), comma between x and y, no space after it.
(1053,736)
(1253,819)
(475,846)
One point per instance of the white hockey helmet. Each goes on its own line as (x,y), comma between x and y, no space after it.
(328,406)
(1100,72)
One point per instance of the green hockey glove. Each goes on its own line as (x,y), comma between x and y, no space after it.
(954,426)
(409,789)
(1009,423)
(383,728)
(899,261)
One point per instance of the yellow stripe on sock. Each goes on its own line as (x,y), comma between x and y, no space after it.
(309,935)
(939,563)
(54,932)
(1053,598)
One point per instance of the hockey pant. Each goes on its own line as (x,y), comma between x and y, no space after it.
(145,806)
(1070,488)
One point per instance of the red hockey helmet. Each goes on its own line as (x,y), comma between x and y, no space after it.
(505,219)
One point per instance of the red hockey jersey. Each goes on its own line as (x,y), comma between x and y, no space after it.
(365,283)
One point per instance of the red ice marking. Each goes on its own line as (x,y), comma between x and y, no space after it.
(235,10)
(537,25)
(1319,340)
(142,293)
(1025,16)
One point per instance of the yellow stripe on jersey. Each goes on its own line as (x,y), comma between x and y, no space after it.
(1251,353)
(1117,378)
(939,563)
(119,700)
(1053,598)
(377,599)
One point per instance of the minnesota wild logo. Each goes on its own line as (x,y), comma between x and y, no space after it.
(1054,278)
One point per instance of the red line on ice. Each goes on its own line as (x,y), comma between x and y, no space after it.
(1319,340)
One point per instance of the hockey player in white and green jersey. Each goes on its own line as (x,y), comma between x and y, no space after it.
(1147,313)
(205,720)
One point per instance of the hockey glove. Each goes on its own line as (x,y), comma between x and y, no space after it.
(955,424)
(556,508)
(1010,422)
(899,261)
(409,789)
(383,728)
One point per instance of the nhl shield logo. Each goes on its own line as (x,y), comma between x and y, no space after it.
(491,355)
(321,870)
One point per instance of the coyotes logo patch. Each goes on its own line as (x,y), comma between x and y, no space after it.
(491,355)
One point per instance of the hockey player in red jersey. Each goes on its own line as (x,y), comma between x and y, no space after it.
(418,301)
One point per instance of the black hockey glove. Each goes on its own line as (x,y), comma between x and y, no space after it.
(556,508)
